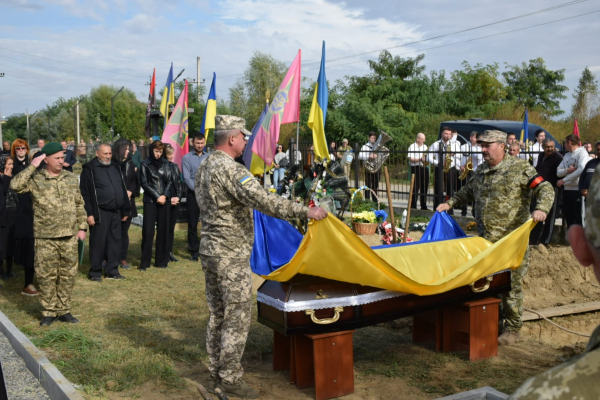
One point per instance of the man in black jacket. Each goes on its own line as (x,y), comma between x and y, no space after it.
(70,159)
(106,204)
(547,164)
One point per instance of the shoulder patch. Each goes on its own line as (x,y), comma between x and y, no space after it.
(246,179)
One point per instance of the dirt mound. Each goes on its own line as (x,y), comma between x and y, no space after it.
(555,278)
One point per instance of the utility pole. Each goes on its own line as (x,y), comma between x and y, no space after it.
(112,114)
(77,118)
(198,77)
(28,126)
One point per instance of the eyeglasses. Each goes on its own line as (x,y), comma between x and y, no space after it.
(20,148)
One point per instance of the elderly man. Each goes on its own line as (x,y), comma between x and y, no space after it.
(189,165)
(227,192)
(106,205)
(514,150)
(416,157)
(70,159)
(578,377)
(40,143)
(5,147)
(547,165)
(58,222)
(502,188)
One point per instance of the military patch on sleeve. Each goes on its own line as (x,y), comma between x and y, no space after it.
(536,180)
(246,179)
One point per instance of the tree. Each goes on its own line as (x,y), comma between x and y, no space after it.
(587,105)
(476,89)
(534,86)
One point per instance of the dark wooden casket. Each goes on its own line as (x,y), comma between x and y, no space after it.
(339,306)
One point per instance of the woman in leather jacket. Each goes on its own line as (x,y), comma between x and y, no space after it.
(122,152)
(157,181)
(176,195)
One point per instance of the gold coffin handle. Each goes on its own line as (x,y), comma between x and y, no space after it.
(325,321)
(488,280)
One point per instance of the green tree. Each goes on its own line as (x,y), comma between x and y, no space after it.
(587,105)
(535,86)
(475,89)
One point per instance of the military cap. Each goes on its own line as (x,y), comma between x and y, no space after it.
(492,136)
(228,122)
(51,148)
(344,140)
(592,211)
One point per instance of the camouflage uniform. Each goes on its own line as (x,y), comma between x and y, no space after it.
(58,215)
(227,193)
(577,378)
(502,196)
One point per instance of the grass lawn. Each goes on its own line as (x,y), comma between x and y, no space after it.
(144,337)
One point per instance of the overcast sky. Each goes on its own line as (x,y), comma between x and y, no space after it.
(63,48)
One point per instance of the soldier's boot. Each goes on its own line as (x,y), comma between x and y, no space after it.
(240,389)
(508,338)
(213,383)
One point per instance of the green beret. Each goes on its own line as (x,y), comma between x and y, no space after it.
(52,148)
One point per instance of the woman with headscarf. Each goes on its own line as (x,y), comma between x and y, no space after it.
(122,152)
(23,229)
(176,195)
(157,182)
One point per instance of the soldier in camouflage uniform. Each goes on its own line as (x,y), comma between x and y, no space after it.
(579,377)
(502,188)
(59,220)
(226,193)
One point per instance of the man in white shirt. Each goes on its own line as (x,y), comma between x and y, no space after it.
(367,153)
(537,147)
(570,170)
(438,152)
(416,156)
(472,150)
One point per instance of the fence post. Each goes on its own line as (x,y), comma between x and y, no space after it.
(356,165)
(292,151)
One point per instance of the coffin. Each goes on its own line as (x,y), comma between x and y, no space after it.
(311,305)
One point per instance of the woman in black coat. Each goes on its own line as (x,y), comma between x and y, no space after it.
(157,182)
(176,195)
(122,152)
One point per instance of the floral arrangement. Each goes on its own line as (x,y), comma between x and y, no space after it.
(471,226)
(388,237)
(370,217)
(419,226)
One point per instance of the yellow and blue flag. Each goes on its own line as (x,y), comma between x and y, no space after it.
(253,162)
(318,113)
(210,112)
(525,130)
(168,97)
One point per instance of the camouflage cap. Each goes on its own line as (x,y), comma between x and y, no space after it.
(492,136)
(228,122)
(592,211)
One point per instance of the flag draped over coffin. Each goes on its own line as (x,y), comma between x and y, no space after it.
(318,113)
(168,97)
(284,108)
(252,161)
(331,250)
(151,104)
(176,131)
(210,111)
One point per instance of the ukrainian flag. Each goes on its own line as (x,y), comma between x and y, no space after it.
(168,97)
(210,112)
(318,113)
(525,130)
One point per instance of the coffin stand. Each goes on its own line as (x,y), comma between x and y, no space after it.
(315,344)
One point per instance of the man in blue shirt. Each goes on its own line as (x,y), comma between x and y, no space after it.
(189,164)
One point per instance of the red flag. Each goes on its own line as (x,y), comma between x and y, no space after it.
(151,104)
(576,131)
(284,108)
(176,132)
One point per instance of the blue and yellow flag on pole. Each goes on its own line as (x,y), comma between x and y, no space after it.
(210,112)
(525,130)
(318,113)
(168,97)
(253,162)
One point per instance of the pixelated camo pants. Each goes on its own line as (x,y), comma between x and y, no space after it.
(512,302)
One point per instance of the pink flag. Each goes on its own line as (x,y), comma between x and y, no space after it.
(576,131)
(176,131)
(284,108)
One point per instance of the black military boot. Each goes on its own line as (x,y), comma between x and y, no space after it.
(68,318)
(47,321)
(172,257)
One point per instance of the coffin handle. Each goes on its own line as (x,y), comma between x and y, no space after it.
(488,280)
(325,321)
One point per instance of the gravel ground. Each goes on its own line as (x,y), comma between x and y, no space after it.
(20,382)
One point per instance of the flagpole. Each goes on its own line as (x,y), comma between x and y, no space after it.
(267,94)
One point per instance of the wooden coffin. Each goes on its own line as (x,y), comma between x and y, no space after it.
(340,306)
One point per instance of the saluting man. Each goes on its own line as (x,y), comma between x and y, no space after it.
(226,193)
(502,188)
(59,219)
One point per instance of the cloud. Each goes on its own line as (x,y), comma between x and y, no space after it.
(144,23)
(21,4)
